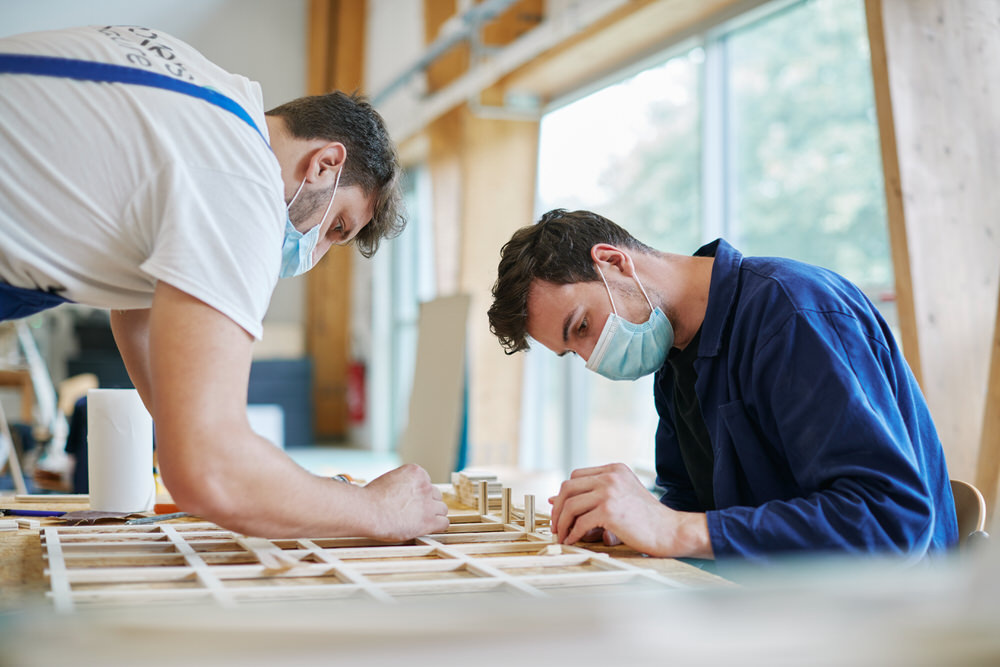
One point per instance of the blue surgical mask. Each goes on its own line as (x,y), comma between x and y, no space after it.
(627,351)
(297,248)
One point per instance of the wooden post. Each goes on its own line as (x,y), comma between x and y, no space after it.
(505,505)
(484,498)
(336,57)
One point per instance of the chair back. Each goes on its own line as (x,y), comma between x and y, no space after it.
(970,507)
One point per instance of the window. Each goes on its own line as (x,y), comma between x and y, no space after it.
(762,132)
(402,278)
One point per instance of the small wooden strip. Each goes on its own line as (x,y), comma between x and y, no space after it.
(499,547)
(141,536)
(506,536)
(62,594)
(138,547)
(487,527)
(510,562)
(204,574)
(52,498)
(506,505)
(185,528)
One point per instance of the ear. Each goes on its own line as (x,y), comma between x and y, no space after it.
(326,161)
(612,258)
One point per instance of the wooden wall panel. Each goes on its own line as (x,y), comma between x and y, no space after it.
(939,97)
(336,57)
(483,180)
(988,466)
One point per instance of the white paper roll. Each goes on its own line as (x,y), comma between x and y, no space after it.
(120,451)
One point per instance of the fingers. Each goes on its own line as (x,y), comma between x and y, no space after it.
(569,518)
(580,482)
(440,524)
(585,523)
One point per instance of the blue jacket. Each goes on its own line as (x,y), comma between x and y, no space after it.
(822,439)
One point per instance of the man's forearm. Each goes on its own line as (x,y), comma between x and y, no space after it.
(243,482)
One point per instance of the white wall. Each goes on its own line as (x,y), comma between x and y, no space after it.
(264,40)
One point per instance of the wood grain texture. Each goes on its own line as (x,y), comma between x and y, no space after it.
(336,62)
(942,59)
(988,466)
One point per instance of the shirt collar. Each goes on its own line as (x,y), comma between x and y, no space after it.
(721,294)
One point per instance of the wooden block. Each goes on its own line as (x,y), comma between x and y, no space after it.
(551,550)
(8,524)
(506,506)
(31,524)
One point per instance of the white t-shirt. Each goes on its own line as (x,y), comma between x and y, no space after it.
(106,188)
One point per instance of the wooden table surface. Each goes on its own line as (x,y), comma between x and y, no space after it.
(23,580)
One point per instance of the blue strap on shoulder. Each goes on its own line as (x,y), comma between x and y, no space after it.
(85,70)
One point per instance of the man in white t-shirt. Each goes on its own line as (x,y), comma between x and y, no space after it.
(179,214)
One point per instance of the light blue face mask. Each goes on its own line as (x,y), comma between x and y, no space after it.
(297,248)
(627,351)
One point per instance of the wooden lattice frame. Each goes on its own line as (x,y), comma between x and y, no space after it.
(201,562)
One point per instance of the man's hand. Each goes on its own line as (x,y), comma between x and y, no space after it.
(404,504)
(610,502)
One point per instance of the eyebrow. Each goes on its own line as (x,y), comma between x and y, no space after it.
(566,323)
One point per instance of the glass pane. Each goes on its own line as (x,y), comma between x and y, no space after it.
(807,168)
(630,152)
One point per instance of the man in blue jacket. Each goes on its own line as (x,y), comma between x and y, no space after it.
(789,419)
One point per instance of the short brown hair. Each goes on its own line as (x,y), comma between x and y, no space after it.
(371,163)
(556,250)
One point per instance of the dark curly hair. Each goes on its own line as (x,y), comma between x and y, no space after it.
(371,163)
(556,250)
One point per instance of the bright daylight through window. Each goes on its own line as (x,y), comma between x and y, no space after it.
(762,132)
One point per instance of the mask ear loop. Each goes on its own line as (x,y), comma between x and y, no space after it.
(296,195)
(643,290)
(601,274)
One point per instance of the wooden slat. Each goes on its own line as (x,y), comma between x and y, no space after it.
(900,249)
